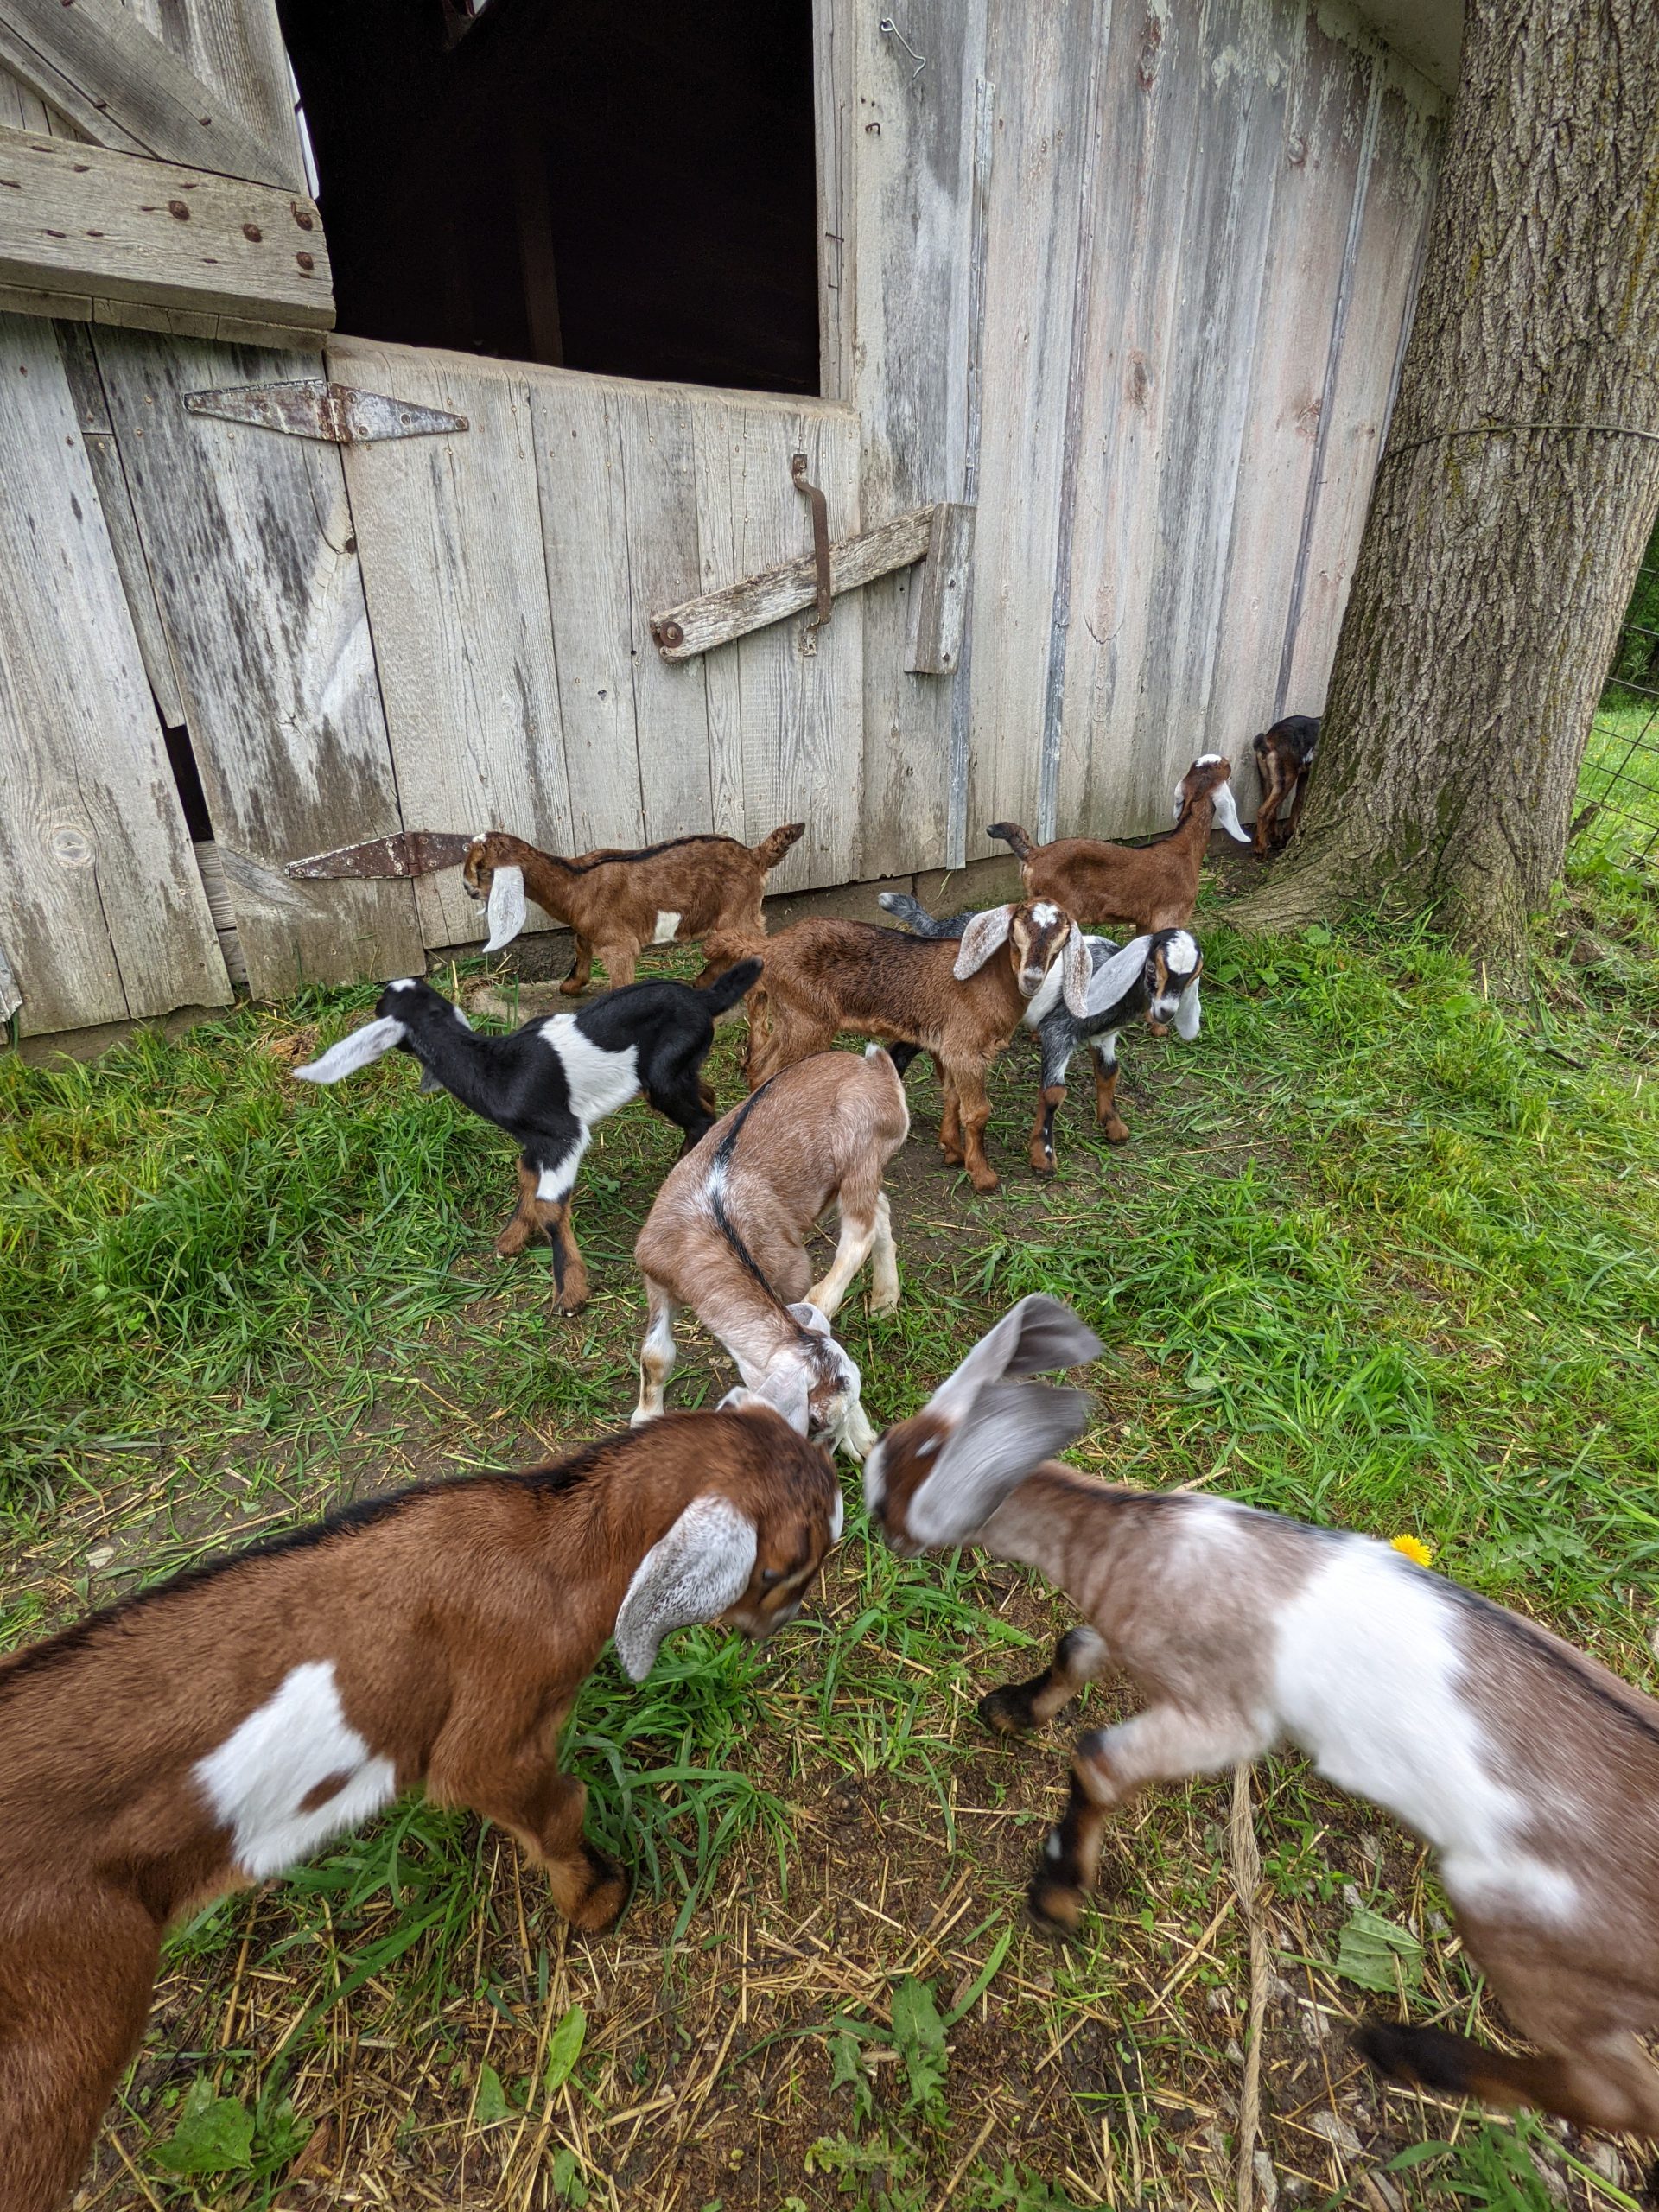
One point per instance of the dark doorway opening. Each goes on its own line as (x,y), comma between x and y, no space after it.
(625,186)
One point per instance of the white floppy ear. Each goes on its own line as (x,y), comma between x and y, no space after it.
(810,1318)
(506,910)
(1187,1012)
(981,939)
(1010,1428)
(782,1391)
(1227,813)
(1036,1335)
(701,1566)
(1074,973)
(1115,975)
(370,1043)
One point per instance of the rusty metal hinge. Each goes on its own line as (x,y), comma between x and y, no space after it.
(309,407)
(823,594)
(411,852)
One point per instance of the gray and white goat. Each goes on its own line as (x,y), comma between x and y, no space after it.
(1154,978)
(1531,1770)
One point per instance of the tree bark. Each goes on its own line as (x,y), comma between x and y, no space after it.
(1496,562)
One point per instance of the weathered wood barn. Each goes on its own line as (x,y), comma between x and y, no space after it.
(392,394)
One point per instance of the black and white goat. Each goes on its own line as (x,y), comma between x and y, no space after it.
(548,1083)
(1154,978)
(1532,1771)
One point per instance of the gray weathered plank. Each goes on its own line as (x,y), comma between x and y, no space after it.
(78,219)
(236,47)
(671,708)
(938,595)
(249,537)
(449,533)
(97,64)
(102,911)
(717,617)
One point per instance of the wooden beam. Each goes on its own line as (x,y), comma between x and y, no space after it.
(93,236)
(94,61)
(938,596)
(715,618)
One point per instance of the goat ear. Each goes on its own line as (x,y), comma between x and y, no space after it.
(1227,813)
(505,909)
(701,1566)
(1074,973)
(1009,1429)
(783,1391)
(1115,975)
(1188,1013)
(982,937)
(364,1046)
(1033,1337)
(810,1318)
(1181,794)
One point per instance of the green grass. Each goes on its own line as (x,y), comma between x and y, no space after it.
(1380,1253)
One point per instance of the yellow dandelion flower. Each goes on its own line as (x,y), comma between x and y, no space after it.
(1415,1549)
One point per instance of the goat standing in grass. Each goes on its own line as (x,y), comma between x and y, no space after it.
(726,1234)
(617,902)
(547,1083)
(1154,978)
(961,1002)
(1532,1771)
(206,1734)
(1152,887)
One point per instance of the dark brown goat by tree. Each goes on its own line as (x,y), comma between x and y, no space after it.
(1149,887)
(617,902)
(205,1735)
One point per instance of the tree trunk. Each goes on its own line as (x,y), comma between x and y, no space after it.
(1495,563)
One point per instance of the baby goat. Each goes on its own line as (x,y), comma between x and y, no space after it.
(205,1735)
(726,1234)
(1532,1771)
(547,1083)
(1283,756)
(957,1002)
(616,902)
(1150,886)
(1156,977)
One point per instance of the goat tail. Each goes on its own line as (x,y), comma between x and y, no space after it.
(771,850)
(1012,834)
(726,988)
(915,917)
(1262,748)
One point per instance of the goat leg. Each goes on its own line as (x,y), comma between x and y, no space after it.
(569,1268)
(884,1261)
(526,1221)
(1106,1113)
(951,1123)
(975,1110)
(544,1809)
(617,957)
(1040,1149)
(860,1211)
(1607,2083)
(1286,831)
(657,1355)
(577,980)
(1018,1707)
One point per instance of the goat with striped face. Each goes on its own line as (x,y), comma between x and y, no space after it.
(1532,1771)
(1154,978)
(727,1236)
(547,1083)
(205,1735)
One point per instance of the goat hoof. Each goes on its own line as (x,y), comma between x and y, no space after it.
(1042,1163)
(605,1901)
(571,1299)
(885,1302)
(1007,1711)
(984,1184)
(1117,1132)
(1053,1910)
(952,1154)
(510,1242)
(570,988)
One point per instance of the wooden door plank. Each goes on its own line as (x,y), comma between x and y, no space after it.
(670,703)
(717,617)
(449,533)
(102,911)
(578,423)
(236,47)
(249,537)
(99,64)
(79,221)
(718,454)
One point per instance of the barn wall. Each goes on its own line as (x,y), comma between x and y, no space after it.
(1136,278)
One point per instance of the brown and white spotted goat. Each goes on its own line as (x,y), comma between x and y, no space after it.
(206,1734)
(617,902)
(1532,1771)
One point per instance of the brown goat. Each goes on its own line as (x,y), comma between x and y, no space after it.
(205,1735)
(943,996)
(1283,756)
(616,902)
(1151,888)
(1531,1770)
(726,1234)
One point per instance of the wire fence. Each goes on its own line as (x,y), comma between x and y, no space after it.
(1618,787)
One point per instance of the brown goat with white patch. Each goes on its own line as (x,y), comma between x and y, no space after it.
(726,1234)
(1532,1771)
(1152,887)
(616,902)
(951,998)
(205,1735)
